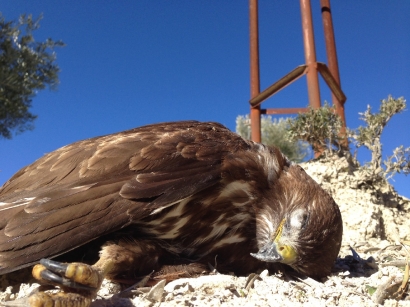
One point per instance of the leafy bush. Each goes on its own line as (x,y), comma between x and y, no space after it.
(26,66)
(275,132)
(370,137)
(319,127)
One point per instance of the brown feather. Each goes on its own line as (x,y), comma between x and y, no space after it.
(164,194)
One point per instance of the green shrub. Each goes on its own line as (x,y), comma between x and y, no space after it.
(369,136)
(275,132)
(321,129)
(318,127)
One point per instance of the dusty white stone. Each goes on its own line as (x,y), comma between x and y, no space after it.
(7,295)
(108,288)
(156,292)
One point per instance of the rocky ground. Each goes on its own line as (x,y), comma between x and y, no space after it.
(369,270)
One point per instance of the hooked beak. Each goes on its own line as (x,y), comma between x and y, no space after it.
(275,250)
(268,253)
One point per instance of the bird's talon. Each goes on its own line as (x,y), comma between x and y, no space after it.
(79,284)
(54,266)
(49,276)
(73,275)
(56,279)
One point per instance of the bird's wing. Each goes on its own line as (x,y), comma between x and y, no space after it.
(90,188)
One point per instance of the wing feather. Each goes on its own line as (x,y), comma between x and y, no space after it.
(90,188)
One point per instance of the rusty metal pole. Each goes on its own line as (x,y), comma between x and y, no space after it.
(332,60)
(310,54)
(254,69)
(331,52)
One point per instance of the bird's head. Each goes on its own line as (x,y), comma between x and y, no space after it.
(298,224)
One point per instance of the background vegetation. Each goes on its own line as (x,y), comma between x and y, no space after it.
(26,66)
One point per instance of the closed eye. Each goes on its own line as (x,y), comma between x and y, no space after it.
(299,219)
(305,221)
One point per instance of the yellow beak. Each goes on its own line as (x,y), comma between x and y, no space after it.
(275,251)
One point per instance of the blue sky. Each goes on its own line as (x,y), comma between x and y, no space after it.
(130,63)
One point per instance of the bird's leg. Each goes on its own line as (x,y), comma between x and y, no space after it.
(79,282)
(73,275)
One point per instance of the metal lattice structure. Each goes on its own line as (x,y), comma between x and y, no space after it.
(311,68)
